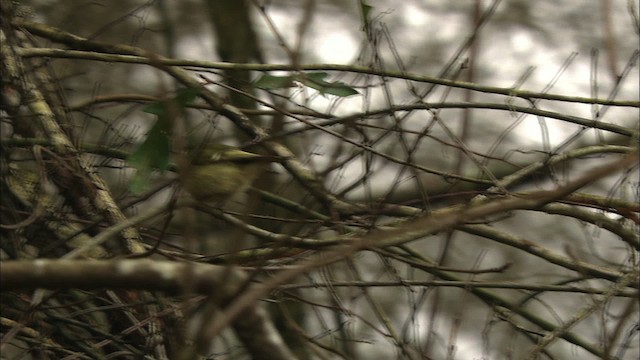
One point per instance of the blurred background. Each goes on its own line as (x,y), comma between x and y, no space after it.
(398,109)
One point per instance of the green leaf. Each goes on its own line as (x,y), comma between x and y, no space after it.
(316,81)
(365,10)
(156,108)
(182,99)
(186,96)
(315,77)
(340,89)
(270,82)
(154,152)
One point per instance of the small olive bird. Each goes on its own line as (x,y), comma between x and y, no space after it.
(217,172)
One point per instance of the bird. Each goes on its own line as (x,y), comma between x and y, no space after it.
(218,172)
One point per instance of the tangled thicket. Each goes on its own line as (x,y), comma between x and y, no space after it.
(404,224)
